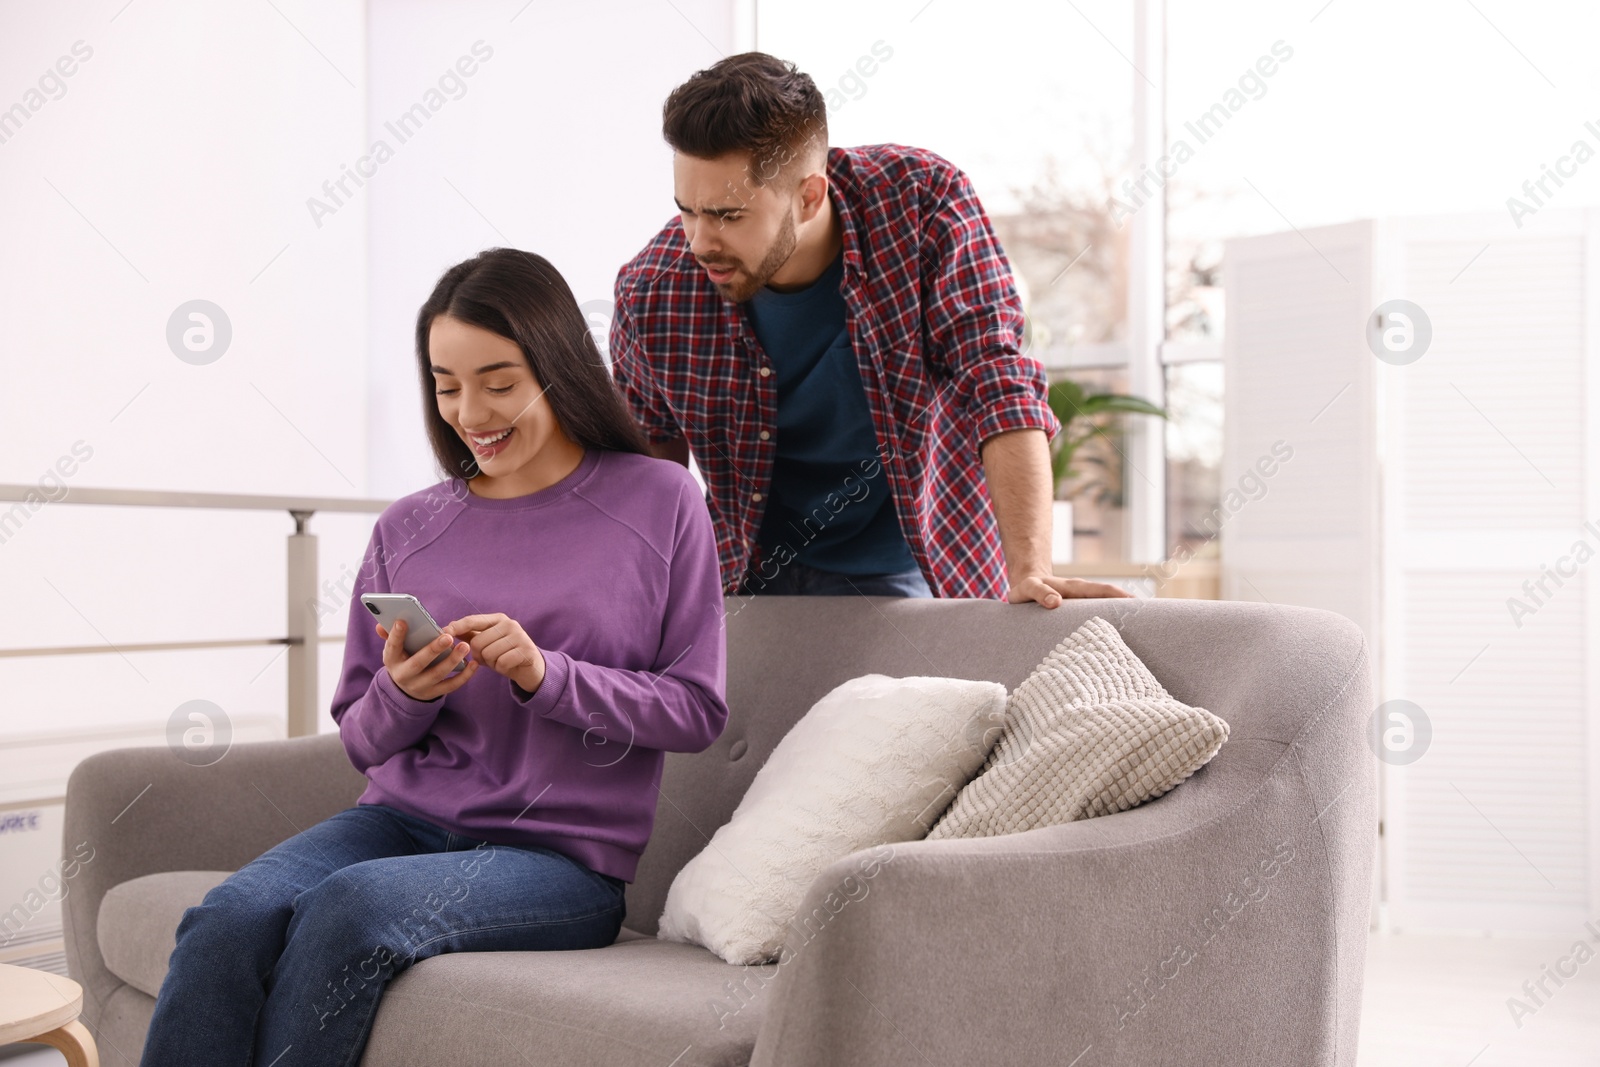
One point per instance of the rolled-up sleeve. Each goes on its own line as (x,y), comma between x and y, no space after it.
(973,316)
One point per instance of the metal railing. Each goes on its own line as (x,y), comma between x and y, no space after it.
(300,612)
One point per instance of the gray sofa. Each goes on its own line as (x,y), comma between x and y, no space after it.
(1224,923)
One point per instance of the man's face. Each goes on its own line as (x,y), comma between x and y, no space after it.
(740,232)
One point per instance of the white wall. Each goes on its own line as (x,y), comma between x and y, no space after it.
(191,144)
(171,165)
(554,146)
(174,166)
(178,162)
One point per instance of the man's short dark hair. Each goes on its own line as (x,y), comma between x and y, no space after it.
(749,102)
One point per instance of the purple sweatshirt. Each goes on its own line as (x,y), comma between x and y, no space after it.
(613,572)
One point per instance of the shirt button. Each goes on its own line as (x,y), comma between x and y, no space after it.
(766,372)
(756,497)
(764,435)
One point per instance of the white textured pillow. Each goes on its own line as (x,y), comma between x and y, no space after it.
(1089,732)
(873,762)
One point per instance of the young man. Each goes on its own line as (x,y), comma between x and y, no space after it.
(835,335)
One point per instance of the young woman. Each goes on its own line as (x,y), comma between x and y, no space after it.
(512,786)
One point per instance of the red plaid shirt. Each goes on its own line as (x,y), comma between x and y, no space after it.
(936,326)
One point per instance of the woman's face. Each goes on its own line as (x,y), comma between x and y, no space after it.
(484,388)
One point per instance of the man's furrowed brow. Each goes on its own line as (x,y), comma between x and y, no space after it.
(715,212)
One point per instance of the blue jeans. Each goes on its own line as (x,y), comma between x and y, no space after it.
(283,963)
(796,579)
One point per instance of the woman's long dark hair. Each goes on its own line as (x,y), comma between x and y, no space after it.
(521,297)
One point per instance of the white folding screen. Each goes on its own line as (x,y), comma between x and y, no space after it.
(1474,464)
(1298,387)
(1486,442)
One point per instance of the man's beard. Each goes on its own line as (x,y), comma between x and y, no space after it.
(778,254)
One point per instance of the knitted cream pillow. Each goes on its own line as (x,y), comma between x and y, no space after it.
(872,763)
(1089,732)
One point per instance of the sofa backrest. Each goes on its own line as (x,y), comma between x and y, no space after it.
(1252,664)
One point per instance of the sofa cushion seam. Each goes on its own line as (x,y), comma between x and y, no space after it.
(536,1020)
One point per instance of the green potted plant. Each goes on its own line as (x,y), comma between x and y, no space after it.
(1082,417)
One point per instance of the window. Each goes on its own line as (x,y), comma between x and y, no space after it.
(1036,109)
(1194,457)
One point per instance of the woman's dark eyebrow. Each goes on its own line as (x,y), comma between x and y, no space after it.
(502,365)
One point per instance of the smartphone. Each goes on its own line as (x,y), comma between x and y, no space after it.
(389,608)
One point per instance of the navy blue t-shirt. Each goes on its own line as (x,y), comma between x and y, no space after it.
(822,504)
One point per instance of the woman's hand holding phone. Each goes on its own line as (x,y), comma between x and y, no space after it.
(412,674)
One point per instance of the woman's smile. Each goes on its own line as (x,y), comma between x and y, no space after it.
(491,444)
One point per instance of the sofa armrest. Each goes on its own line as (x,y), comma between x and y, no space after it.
(1222,923)
(138,811)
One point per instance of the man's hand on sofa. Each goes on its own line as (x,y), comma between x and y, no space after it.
(1017,466)
(1050,590)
